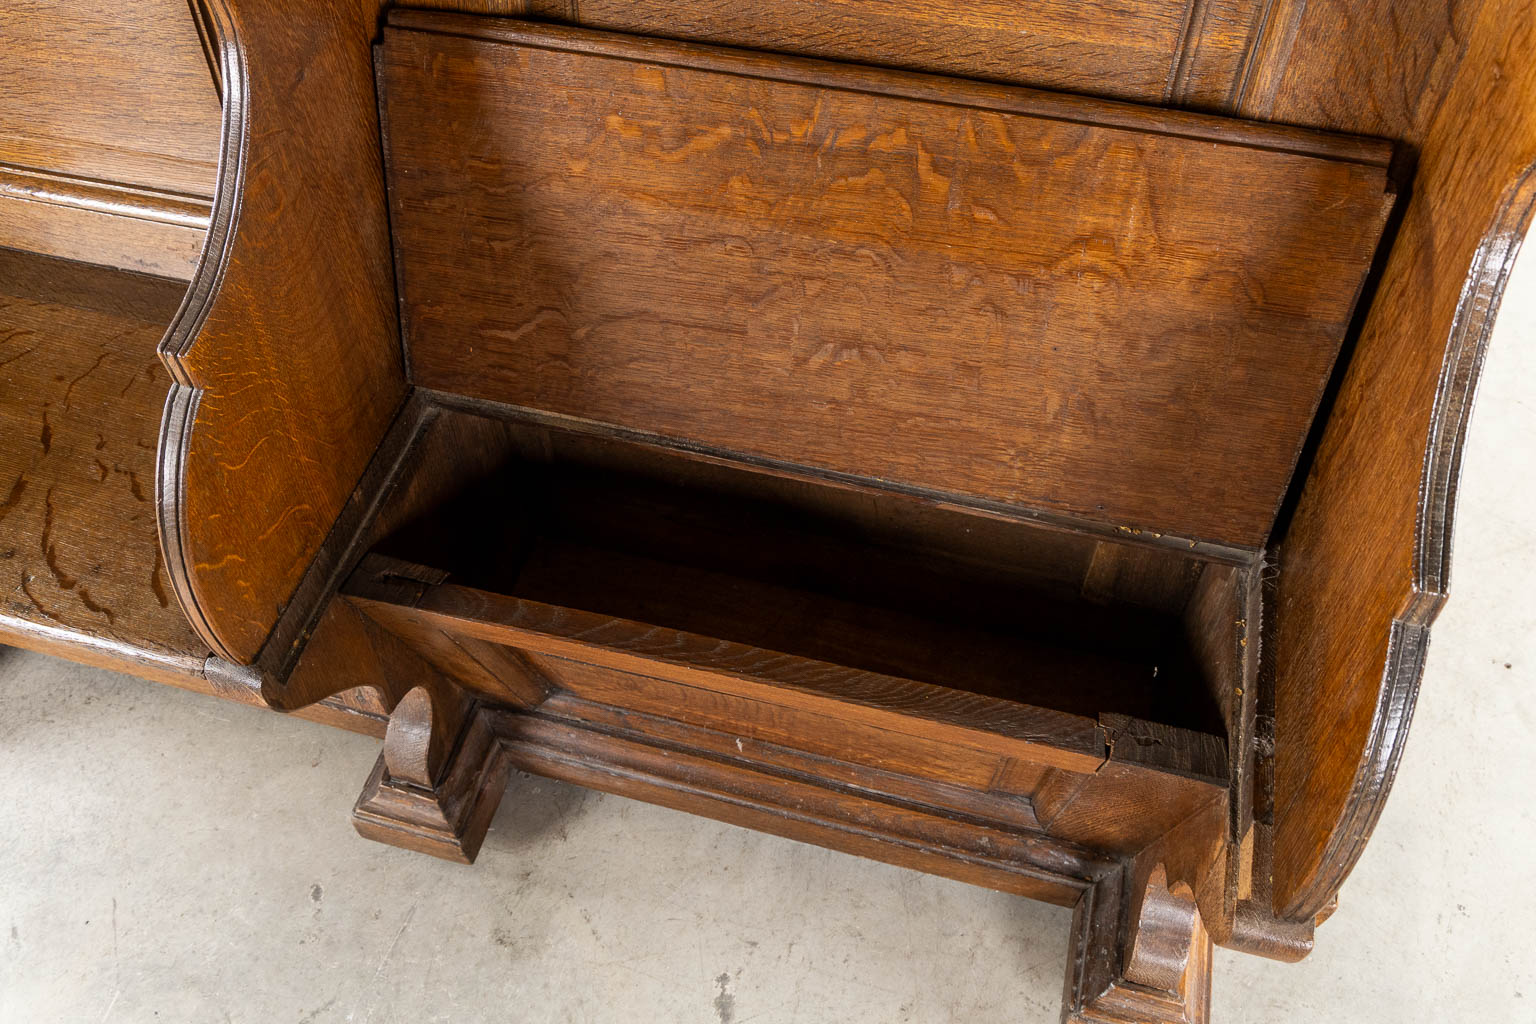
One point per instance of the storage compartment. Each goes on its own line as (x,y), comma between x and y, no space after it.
(1109,315)
(526,522)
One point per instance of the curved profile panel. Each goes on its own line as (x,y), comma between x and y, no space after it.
(285,354)
(1365,558)
(1408,635)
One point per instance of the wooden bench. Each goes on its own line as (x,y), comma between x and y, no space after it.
(1016,444)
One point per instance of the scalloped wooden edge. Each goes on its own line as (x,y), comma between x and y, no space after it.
(181,335)
(1408,642)
(262,619)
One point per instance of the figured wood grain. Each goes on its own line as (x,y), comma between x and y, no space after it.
(1097,316)
(1325,78)
(1364,561)
(115,92)
(80,399)
(286,354)
(277,662)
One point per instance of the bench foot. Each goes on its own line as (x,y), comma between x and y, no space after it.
(1139,953)
(431,792)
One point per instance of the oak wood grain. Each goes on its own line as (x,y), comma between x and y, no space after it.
(1155,51)
(799,261)
(1221,40)
(784,725)
(448,819)
(80,399)
(115,92)
(485,492)
(984,723)
(1364,560)
(1139,952)
(581,244)
(286,354)
(799,806)
(934,775)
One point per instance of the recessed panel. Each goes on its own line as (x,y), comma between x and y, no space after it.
(1106,313)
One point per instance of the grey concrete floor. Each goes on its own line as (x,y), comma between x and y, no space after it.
(167,857)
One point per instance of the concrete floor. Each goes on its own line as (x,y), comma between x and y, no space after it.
(167,857)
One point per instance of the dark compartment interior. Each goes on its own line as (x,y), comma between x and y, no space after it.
(879,582)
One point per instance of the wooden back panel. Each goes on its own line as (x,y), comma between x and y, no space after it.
(285,355)
(1152,51)
(109,133)
(1121,316)
(1146,51)
(114,92)
(1364,561)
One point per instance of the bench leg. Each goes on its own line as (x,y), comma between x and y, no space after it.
(437,782)
(1139,954)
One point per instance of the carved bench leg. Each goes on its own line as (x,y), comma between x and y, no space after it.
(437,782)
(436,785)
(1139,954)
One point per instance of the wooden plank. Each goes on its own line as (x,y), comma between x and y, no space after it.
(115,92)
(183,670)
(80,399)
(900,705)
(1117,315)
(874,761)
(116,226)
(1148,51)
(1223,624)
(805,808)
(1113,812)
(1220,38)
(353,710)
(778,723)
(109,133)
